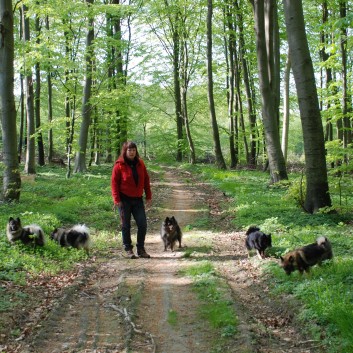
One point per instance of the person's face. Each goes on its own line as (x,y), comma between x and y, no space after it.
(131,153)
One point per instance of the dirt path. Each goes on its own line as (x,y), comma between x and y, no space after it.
(122,305)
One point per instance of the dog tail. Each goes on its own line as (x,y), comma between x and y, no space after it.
(36,230)
(84,239)
(80,228)
(252,229)
(324,243)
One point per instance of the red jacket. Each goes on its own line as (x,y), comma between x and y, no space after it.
(123,180)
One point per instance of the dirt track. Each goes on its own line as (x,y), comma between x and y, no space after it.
(122,305)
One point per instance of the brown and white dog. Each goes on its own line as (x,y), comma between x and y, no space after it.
(303,258)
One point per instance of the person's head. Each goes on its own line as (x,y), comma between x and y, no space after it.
(129,150)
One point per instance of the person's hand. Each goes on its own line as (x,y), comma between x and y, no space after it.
(116,206)
(148,204)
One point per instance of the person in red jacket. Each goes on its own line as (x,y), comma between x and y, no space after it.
(129,181)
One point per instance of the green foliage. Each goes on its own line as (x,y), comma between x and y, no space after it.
(212,292)
(326,292)
(52,200)
(172,318)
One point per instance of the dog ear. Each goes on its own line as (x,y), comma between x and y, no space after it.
(282,259)
(11,219)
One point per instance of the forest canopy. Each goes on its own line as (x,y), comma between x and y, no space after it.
(190,81)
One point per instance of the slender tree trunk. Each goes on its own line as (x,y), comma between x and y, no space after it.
(177,88)
(50,107)
(80,161)
(249,91)
(285,127)
(217,144)
(41,158)
(11,173)
(229,46)
(317,190)
(347,110)
(267,52)
(30,152)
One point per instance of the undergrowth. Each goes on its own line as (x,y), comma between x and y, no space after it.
(216,305)
(326,292)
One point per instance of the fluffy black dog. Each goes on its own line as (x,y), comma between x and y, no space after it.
(32,233)
(77,237)
(255,239)
(171,233)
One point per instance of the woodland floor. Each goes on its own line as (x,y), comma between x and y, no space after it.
(114,304)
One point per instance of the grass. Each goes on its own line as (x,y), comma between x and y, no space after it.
(326,293)
(216,306)
(51,201)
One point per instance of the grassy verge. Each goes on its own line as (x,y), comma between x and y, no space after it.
(326,293)
(216,306)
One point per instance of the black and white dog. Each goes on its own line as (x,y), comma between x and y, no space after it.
(77,237)
(31,234)
(255,239)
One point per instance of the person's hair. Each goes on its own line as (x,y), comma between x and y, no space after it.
(126,145)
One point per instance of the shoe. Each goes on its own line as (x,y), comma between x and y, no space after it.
(142,253)
(130,254)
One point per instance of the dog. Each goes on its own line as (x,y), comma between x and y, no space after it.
(77,237)
(303,258)
(255,239)
(170,233)
(31,234)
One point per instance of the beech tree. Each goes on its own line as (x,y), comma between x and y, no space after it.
(215,132)
(30,165)
(80,161)
(267,45)
(11,176)
(317,190)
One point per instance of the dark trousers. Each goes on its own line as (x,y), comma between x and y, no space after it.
(135,207)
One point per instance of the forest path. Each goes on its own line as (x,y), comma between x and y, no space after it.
(123,305)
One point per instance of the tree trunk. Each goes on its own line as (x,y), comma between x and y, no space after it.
(230,47)
(346,109)
(177,89)
(80,161)
(30,152)
(265,13)
(285,126)
(11,174)
(250,96)
(317,190)
(41,158)
(50,107)
(217,145)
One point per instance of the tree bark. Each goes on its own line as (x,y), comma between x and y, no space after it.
(317,190)
(30,152)
(11,173)
(267,47)
(285,125)
(217,145)
(41,158)
(80,161)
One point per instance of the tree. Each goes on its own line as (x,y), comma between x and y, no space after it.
(267,46)
(217,145)
(80,161)
(11,177)
(30,167)
(317,190)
